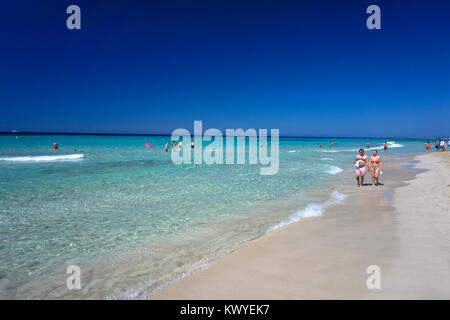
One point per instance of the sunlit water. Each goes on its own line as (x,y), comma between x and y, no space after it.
(134,221)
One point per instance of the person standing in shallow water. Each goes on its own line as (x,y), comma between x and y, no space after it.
(361,161)
(55,145)
(368,145)
(427,146)
(167,146)
(385,146)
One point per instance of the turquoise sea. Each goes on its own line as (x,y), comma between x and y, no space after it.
(133,221)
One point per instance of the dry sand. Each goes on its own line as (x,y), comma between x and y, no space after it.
(402,226)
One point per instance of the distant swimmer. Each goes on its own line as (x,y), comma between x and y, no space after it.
(320,145)
(148,145)
(376,167)
(331,144)
(192,144)
(167,146)
(361,161)
(427,146)
(385,146)
(368,145)
(55,145)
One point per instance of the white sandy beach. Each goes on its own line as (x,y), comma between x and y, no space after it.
(402,226)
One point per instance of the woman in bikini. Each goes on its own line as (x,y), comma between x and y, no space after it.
(375,167)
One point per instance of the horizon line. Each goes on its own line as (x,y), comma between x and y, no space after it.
(166,134)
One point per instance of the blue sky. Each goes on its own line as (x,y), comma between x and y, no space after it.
(309,68)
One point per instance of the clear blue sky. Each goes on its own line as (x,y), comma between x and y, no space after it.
(309,68)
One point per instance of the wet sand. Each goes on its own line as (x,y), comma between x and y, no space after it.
(402,226)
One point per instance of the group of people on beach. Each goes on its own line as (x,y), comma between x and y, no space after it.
(373,164)
(438,146)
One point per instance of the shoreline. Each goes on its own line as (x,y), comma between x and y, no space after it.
(326,257)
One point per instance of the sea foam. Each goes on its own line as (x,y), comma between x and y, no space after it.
(333,170)
(68,157)
(311,210)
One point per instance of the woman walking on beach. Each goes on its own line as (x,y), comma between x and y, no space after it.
(375,167)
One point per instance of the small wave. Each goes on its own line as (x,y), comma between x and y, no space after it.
(336,197)
(134,293)
(333,170)
(311,210)
(68,157)
(393,144)
(329,151)
(292,151)
(326,159)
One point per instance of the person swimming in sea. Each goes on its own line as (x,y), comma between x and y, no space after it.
(192,145)
(376,167)
(368,145)
(167,146)
(320,145)
(55,145)
(330,145)
(385,147)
